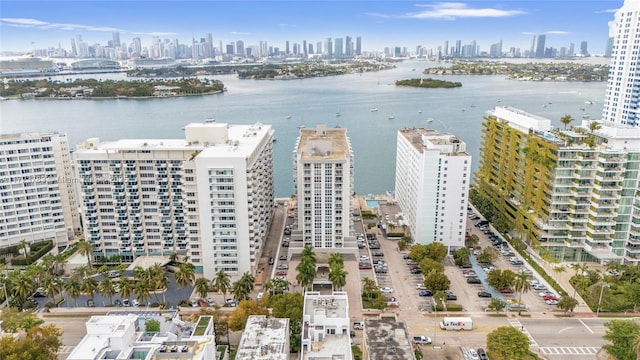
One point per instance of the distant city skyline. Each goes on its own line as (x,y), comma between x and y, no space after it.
(29,25)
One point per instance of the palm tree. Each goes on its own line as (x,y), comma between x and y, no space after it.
(307,253)
(89,286)
(248,281)
(239,291)
(440,297)
(202,287)
(81,272)
(185,275)
(25,247)
(73,287)
(593,126)
(85,248)
(143,291)
(338,277)
(126,287)
(306,273)
(106,288)
(21,286)
(566,120)
(173,257)
(521,285)
(336,258)
(222,282)
(52,286)
(159,281)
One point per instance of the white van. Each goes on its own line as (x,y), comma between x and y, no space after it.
(456,323)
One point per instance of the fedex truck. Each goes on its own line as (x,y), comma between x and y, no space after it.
(456,323)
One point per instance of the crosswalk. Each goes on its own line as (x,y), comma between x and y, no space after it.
(518,325)
(569,350)
(65,349)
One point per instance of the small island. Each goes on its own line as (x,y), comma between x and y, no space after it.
(428,83)
(105,89)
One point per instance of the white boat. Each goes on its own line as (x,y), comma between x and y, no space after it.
(374,109)
(338,114)
(288,116)
(588,102)
(430,120)
(419,111)
(391,117)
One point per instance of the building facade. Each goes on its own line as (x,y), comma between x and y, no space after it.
(622,100)
(574,193)
(323,184)
(209,196)
(433,175)
(37,190)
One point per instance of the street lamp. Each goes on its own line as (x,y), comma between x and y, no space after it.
(600,299)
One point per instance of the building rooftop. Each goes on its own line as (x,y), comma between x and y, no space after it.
(387,339)
(264,339)
(332,347)
(323,144)
(326,306)
(208,139)
(426,139)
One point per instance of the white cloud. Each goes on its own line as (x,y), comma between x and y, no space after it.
(609,11)
(240,33)
(451,11)
(38,24)
(556,32)
(154,33)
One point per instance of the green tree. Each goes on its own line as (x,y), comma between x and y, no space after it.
(307,253)
(52,286)
(13,320)
(202,287)
(40,343)
(107,288)
(501,279)
(276,286)
(435,281)
(86,249)
(238,318)
(428,265)
(126,287)
(488,255)
(142,289)
(567,304)
(289,306)
(73,287)
(621,334)
(521,284)
(461,256)
(496,305)
(507,343)
(222,282)
(368,287)
(152,326)
(566,120)
(636,346)
(306,272)
(337,276)
(89,286)
(336,258)
(185,275)
(435,251)
(243,286)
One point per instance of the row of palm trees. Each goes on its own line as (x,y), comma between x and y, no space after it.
(337,275)
(222,283)
(306,268)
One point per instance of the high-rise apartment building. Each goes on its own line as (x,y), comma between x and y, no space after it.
(433,176)
(622,100)
(37,190)
(323,181)
(328,48)
(339,51)
(358,45)
(240,48)
(574,193)
(208,195)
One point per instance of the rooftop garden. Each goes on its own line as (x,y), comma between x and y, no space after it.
(202,325)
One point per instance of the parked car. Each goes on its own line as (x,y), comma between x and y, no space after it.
(473,280)
(113,274)
(126,303)
(550,297)
(377,254)
(287,231)
(506,291)
(420,286)
(211,302)
(364,258)
(473,355)
(551,302)
(363,265)
(272,260)
(484,294)
(482,354)
(386,290)
(451,296)
(285,243)
(281,273)
(425,293)
(283,267)
(545,293)
(283,258)
(135,303)
(91,303)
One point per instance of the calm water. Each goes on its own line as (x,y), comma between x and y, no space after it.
(310,101)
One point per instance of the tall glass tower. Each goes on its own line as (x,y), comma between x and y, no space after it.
(623,88)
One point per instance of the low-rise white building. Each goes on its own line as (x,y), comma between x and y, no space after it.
(325,327)
(122,335)
(386,338)
(264,339)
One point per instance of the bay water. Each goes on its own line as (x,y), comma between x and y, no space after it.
(289,104)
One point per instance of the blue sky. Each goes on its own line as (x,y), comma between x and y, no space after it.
(26,24)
